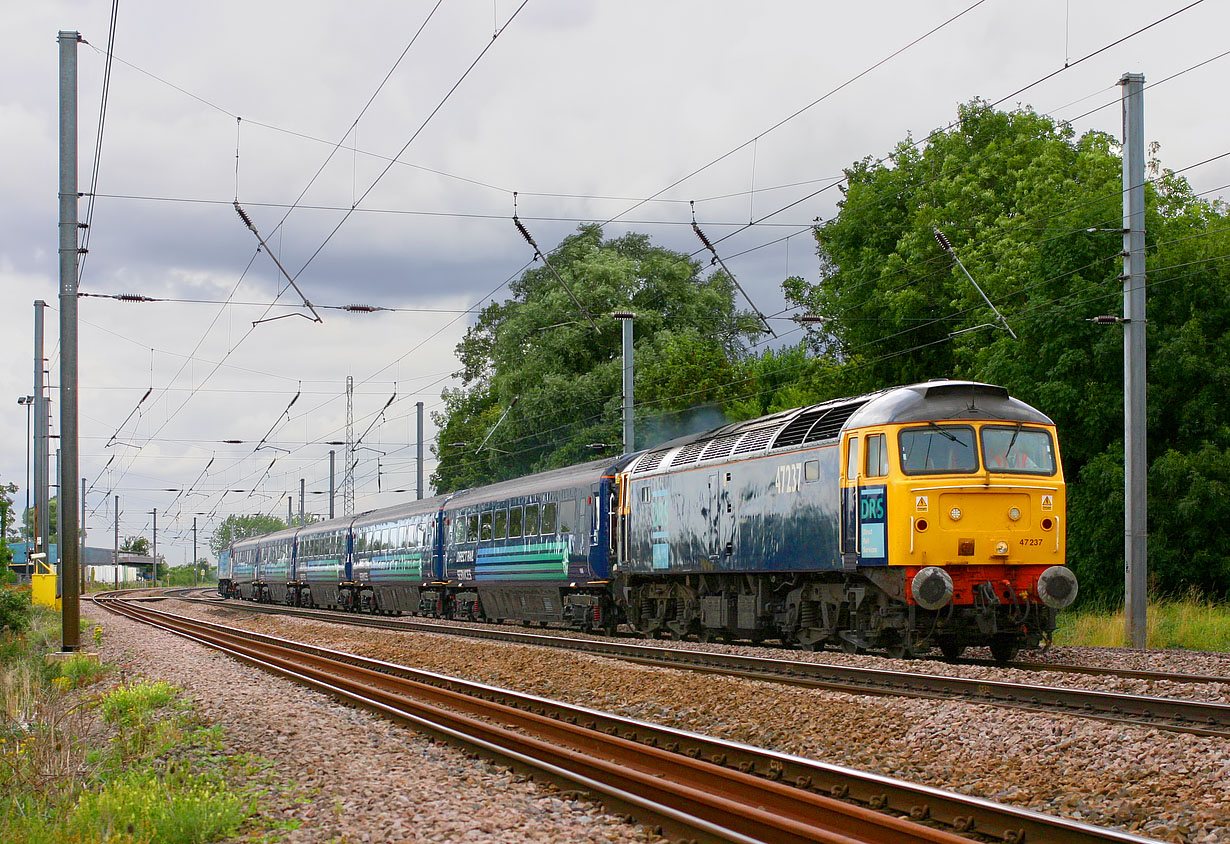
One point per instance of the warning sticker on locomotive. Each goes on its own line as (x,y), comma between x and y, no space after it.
(1048,502)
(920,503)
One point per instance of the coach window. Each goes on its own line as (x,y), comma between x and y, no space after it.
(877,456)
(531,520)
(501,523)
(567,516)
(472,527)
(549,518)
(514,523)
(484,529)
(852,459)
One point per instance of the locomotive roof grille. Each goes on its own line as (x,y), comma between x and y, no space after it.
(756,440)
(649,461)
(816,425)
(720,447)
(690,453)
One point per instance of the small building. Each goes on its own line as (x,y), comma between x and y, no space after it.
(99,563)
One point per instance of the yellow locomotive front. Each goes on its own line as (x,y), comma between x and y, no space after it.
(966,517)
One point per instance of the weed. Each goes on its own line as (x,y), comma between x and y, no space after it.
(1191,623)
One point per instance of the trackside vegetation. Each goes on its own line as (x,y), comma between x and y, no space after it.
(83,760)
(1035,214)
(1192,623)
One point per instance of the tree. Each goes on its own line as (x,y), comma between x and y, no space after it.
(138,545)
(27,528)
(1034,213)
(541,386)
(6,512)
(234,528)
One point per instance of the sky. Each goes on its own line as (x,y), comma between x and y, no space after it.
(377,148)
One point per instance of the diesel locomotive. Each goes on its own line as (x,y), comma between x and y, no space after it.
(917,517)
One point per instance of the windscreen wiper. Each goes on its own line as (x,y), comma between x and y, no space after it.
(1012,441)
(946,433)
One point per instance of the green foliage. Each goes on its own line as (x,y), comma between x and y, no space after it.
(15,609)
(1034,212)
(129,707)
(1192,623)
(81,670)
(537,358)
(159,779)
(27,521)
(136,545)
(234,528)
(176,808)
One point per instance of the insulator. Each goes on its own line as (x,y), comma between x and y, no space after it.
(703,239)
(131,297)
(942,240)
(525,233)
(1106,319)
(243,215)
(362,309)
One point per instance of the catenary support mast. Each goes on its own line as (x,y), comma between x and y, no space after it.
(1136,511)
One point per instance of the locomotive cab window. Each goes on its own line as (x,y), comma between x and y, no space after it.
(877,456)
(1014,449)
(811,471)
(852,458)
(938,449)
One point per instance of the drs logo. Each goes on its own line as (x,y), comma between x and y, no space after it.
(872,508)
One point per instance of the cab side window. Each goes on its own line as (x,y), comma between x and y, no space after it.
(877,456)
(852,458)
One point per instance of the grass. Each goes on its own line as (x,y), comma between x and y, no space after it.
(1190,623)
(134,764)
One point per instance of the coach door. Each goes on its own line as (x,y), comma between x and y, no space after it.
(849,505)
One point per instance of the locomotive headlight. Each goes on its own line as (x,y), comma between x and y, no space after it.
(1057,587)
(1014,514)
(955,514)
(932,588)
(1001,548)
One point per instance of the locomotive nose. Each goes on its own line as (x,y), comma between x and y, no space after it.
(932,588)
(1057,587)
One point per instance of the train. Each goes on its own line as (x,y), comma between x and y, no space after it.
(909,519)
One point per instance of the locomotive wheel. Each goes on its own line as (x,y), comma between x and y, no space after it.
(1003,648)
(706,635)
(848,647)
(901,652)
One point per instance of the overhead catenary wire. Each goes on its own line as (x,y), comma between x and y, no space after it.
(1067,66)
(730,275)
(247,221)
(98,141)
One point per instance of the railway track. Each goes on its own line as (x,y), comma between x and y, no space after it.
(693,786)
(1197,717)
